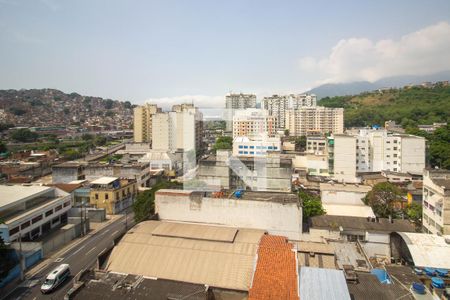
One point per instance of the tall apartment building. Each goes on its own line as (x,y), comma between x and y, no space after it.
(235,102)
(367,150)
(143,122)
(303,100)
(179,129)
(313,120)
(253,123)
(277,105)
(436,202)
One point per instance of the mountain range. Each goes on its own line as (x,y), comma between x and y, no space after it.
(353,88)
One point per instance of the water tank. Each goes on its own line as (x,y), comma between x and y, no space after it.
(437,283)
(430,271)
(442,272)
(418,288)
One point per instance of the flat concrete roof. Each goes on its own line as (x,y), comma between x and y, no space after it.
(11,194)
(104,180)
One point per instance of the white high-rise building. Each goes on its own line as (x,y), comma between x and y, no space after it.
(278,105)
(375,151)
(179,129)
(313,120)
(235,102)
(253,122)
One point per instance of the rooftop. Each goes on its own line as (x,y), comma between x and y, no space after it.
(114,286)
(10,194)
(67,187)
(217,256)
(104,180)
(348,210)
(359,223)
(345,187)
(369,287)
(276,270)
(444,183)
(322,284)
(428,250)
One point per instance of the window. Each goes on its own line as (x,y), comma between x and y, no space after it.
(395,162)
(106,196)
(25,225)
(14,230)
(245,147)
(117,195)
(245,152)
(240,146)
(96,196)
(395,155)
(49,212)
(59,207)
(36,219)
(55,220)
(252,147)
(251,152)
(395,148)
(241,152)
(66,203)
(275,148)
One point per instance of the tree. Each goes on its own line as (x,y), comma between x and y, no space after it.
(100,140)
(382,199)
(24,135)
(223,142)
(127,104)
(300,143)
(414,213)
(312,206)
(87,137)
(3,147)
(72,154)
(144,205)
(286,132)
(109,104)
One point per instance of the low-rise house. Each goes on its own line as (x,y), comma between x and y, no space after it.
(113,194)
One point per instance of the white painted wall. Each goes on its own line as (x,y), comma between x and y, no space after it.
(276,218)
(342,197)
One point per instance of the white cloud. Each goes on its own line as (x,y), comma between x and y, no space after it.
(201,101)
(418,53)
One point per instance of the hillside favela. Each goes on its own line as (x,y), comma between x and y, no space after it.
(225,150)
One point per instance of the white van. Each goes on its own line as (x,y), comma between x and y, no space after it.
(55,278)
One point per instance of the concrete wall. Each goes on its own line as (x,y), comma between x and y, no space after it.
(342,197)
(413,155)
(276,218)
(345,158)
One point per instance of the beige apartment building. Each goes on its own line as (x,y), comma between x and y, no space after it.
(253,123)
(179,129)
(313,120)
(143,122)
(436,202)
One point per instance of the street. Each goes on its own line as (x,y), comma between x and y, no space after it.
(79,257)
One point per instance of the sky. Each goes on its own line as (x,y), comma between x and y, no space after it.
(176,51)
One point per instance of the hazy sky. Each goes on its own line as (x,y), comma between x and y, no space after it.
(170,51)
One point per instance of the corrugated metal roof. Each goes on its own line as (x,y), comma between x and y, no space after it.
(216,263)
(322,284)
(427,250)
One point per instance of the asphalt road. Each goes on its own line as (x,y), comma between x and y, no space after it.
(81,256)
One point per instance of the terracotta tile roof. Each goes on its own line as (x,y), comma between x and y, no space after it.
(276,270)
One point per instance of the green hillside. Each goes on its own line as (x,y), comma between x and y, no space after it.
(407,106)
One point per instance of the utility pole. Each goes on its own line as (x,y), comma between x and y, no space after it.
(21,257)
